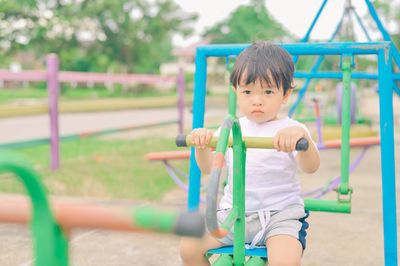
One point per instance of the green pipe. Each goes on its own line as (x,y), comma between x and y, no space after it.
(232,95)
(50,244)
(221,146)
(256,261)
(327,205)
(232,217)
(239,170)
(184,224)
(345,150)
(223,260)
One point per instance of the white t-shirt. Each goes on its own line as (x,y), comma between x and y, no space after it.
(271,182)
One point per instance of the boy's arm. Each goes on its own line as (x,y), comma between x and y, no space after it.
(309,160)
(204,155)
(204,159)
(285,140)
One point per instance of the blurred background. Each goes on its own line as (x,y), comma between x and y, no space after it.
(126,57)
(159,37)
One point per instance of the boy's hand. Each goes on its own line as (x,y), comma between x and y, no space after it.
(201,137)
(285,140)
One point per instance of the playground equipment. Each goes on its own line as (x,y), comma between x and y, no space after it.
(50,231)
(54,77)
(236,216)
(384,52)
(314,73)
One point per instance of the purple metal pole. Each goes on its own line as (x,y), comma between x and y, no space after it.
(181,89)
(52,88)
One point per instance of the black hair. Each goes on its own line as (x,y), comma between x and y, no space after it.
(264,60)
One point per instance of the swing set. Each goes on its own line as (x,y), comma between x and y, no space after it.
(347,51)
(384,51)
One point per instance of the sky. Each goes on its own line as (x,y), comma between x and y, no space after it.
(212,11)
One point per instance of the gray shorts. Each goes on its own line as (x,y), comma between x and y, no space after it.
(290,221)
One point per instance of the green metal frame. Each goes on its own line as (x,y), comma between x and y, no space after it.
(240,144)
(50,243)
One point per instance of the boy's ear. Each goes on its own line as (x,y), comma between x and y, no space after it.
(234,89)
(286,96)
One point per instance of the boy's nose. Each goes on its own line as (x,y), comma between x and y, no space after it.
(257,101)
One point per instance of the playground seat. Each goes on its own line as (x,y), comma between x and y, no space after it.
(167,155)
(259,252)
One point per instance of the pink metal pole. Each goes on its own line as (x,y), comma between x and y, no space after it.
(52,88)
(181,89)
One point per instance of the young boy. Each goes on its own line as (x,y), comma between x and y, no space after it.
(275,217)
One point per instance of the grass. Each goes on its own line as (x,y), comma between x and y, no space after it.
(7,95)
(94,167)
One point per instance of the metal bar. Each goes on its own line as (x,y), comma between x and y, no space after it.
(385,34)
(232,95)
(305,38)
(49,242)
(249,142)
(327,205)
(199,96)
(339,75)
(396,88)
(223,50)
(239,166)
(387,156)
(346,121)
(72,76)
(303,90)
(27,75)
(69,137)
(314,69)
(53,87)
(181,91)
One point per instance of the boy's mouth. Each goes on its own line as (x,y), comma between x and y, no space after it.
(257,112)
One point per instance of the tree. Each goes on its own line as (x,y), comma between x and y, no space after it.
(248,24)
(94,35)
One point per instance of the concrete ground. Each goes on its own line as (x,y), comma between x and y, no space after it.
(333,239)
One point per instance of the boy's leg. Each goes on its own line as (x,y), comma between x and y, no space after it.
(193,251)
(284,250)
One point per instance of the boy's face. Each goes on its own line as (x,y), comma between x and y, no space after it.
(259,102)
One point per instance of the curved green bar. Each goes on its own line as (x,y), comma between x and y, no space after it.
(239,169)
(50,245)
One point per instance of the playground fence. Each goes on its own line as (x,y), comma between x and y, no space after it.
(53,77)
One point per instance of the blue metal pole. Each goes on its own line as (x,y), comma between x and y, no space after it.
(314,69)
(387,156)
(305,38)
(303,90)
(328,48)
(396,88)
(339,75)
(361,24)
(382,29)
(199,97)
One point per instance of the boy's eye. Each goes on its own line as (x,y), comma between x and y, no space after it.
(268,92)
(246,91)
